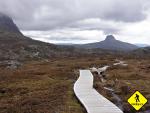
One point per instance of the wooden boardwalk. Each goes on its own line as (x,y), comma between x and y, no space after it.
(90,98)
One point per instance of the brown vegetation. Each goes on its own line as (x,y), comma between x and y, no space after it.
(126,80)
(47,86)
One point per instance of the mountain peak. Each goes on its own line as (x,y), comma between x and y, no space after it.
(110,43)
(7,24)
(3,15)
(110,38)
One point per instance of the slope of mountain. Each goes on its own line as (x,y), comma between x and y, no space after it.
(7,24)
(142,52)
(16,48)
(110,43)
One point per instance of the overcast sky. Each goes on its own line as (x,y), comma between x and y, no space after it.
(81,21)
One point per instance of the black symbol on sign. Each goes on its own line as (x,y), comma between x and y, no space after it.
(137,98)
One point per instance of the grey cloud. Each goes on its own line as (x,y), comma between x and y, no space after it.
(53,14)
(97,24)
(60,38)
(66,38)
(126,11)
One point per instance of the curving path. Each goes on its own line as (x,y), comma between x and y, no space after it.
(90,98)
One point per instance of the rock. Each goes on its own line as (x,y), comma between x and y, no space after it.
(13,64)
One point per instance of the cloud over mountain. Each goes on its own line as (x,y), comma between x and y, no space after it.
(104,16)
(50,14)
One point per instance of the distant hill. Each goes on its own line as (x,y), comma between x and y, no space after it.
(142,45)
(16,48)
(142,52)
(110,43)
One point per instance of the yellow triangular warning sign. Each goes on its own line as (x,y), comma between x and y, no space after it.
(137,100)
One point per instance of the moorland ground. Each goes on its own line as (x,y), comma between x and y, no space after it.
(46,86)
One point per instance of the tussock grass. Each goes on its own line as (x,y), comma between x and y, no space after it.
(47,86)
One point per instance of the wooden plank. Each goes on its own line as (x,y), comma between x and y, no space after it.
(90,98)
